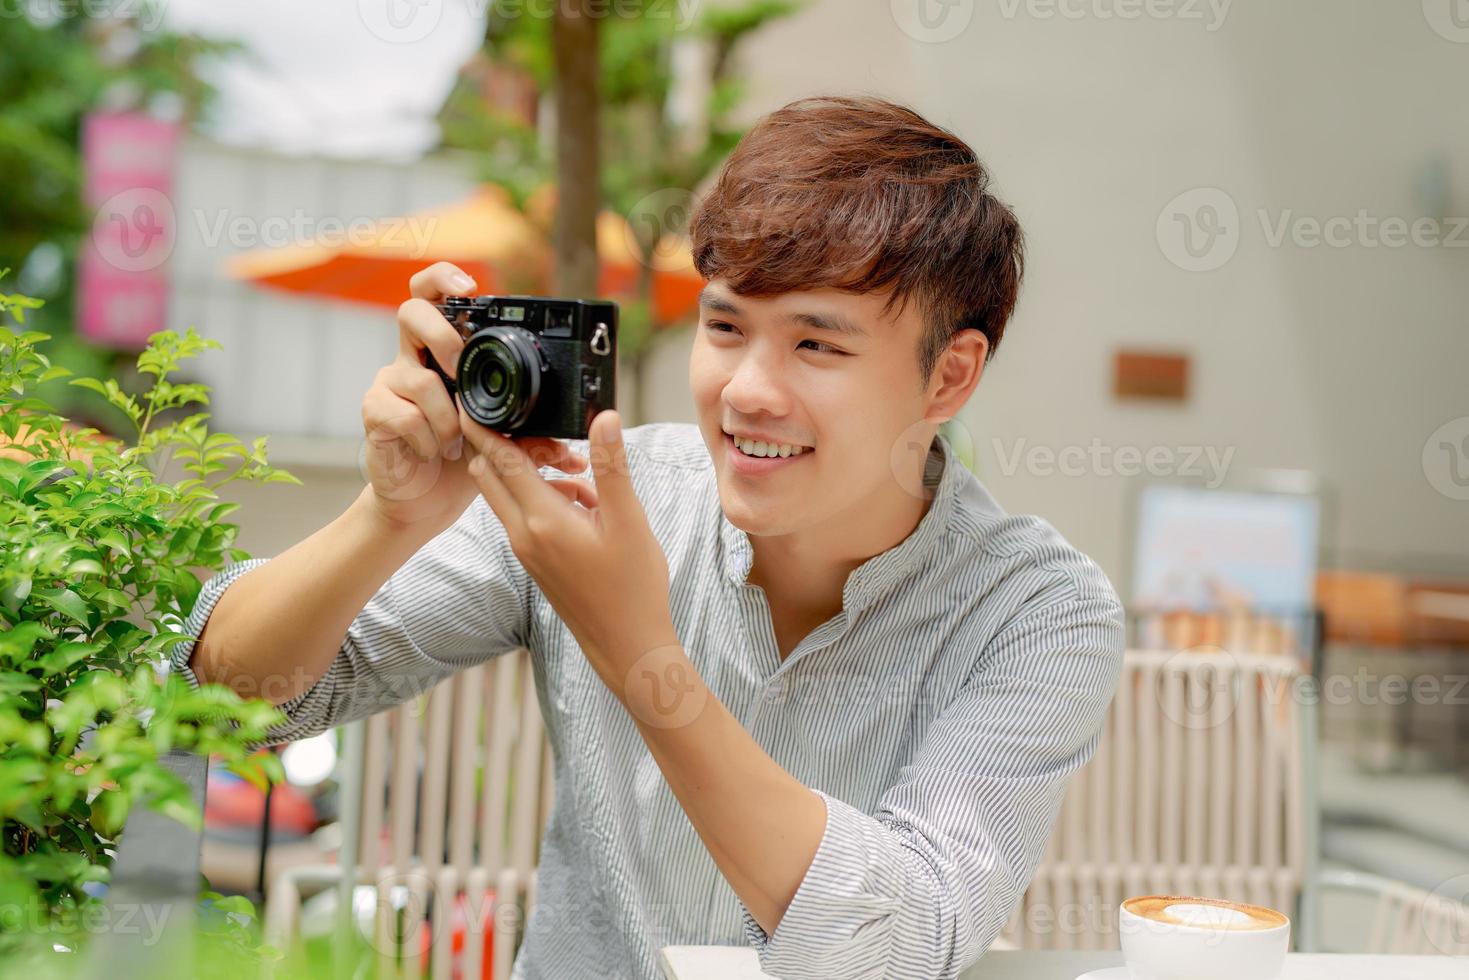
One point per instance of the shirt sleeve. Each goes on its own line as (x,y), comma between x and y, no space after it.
(923,886)
(461,599)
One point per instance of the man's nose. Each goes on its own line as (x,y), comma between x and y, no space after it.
(758,386)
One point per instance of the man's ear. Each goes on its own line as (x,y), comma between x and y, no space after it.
(957,372)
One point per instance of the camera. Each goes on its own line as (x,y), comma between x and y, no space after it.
(533,365)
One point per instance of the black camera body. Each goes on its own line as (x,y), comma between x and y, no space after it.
(533,365)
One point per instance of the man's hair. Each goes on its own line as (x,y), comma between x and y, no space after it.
(862,194)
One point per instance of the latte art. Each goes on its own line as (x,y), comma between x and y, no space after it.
(1204,913)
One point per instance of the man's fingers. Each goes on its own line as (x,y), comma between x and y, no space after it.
(425,390)
(609,463)
(386,418)
(517,472)
(576,491)
(440,280)
(496,494)
(421,326)
(545,451)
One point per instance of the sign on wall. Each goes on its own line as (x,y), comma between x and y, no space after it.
(122,279)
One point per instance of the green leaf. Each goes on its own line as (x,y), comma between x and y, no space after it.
(65,656)
(85,566)
(220,511)
(16,643)
(14,592)
(111,537)
(11,683)
(68,603)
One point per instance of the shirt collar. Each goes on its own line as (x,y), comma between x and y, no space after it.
(877,575)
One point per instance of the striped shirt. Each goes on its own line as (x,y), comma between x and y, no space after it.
(938,715)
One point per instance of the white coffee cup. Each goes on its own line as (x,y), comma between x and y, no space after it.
(1175,937)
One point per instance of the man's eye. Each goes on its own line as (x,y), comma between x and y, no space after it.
(718,326)
(825,348)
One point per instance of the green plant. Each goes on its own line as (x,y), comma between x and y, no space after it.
(99,556)
(645,144)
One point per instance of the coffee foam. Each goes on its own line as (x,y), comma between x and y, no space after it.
(1205,913)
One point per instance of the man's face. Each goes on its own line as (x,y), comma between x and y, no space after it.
(821,369)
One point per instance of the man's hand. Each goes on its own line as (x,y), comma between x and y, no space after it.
(588,547)
(413,451)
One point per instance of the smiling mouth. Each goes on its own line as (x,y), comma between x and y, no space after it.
(760,449)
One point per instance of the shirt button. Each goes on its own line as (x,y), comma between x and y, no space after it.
(775,690)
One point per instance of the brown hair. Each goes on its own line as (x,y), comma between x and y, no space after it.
(861,194)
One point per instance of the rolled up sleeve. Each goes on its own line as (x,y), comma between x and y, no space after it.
(921,887)
(461,599)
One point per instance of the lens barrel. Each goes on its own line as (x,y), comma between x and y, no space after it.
(499,377)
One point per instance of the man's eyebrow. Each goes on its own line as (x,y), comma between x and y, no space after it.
(833,322)
(715,301)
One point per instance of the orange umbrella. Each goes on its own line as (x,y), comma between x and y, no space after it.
(486,236)
(676,284)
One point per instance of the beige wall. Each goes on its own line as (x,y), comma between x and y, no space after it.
(1336,360)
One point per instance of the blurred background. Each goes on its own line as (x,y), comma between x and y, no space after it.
(1236,378)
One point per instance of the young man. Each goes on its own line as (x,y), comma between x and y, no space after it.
(809,687)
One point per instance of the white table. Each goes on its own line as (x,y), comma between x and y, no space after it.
(740,963)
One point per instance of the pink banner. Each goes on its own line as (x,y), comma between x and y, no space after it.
(122,280)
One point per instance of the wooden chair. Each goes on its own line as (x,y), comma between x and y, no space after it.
(1406,920)
(1196,788)
(443,796)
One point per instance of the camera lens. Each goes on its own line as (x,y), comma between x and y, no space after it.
(500,377)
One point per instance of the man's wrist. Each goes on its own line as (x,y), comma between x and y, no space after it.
(385,527)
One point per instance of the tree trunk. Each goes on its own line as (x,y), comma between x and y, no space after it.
(578,186)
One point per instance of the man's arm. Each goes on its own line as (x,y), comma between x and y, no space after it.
(922,887)
(274,630)
(456,601)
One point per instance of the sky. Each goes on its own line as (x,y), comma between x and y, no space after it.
(356,78)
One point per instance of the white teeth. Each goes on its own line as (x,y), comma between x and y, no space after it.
(752,447)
